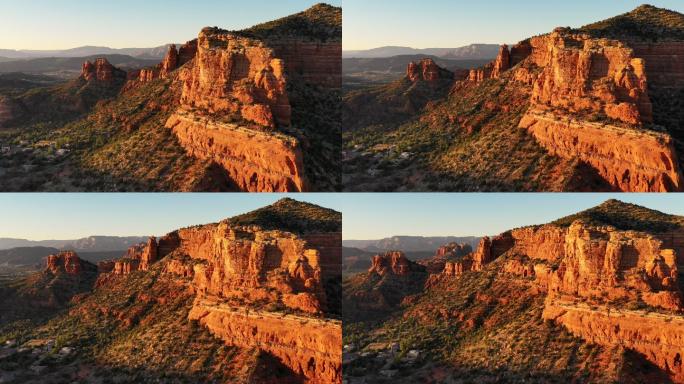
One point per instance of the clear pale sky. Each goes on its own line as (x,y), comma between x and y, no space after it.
(375,216)
(70,216)
(63,24)
(455,23)
(365,216)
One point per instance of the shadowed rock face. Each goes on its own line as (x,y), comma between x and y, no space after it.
(101,71)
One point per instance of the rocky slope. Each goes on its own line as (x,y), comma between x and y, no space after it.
(247,285)
(252,110)
(596,105)
(609,276)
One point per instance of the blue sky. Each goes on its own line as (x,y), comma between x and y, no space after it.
(62,24)
(373,216)
(454,23)
(70,216)
(365,215)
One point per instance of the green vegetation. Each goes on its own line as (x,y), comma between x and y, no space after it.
(645,23)
(322,22)
(292,216)
(470,141)
(483,327)
(625,216)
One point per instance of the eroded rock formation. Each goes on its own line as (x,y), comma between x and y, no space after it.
(427,70)
(64,262)
(629,159)
(598,278)
(315,353)
(238,75)
(255,161)
(590,101)
(101,71)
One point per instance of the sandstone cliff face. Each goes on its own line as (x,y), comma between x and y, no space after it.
(585,270)
(255,161)
(658,337)
(64,262)
(248,265)
(139,257)
(252,265)
(590,97)
(315,354)
(394,263)
(494,69)
(582,76)
(443,254)
(231,75)
(487,251)
(234,74)
(630,160)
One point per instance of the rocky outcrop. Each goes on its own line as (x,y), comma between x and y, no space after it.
(494,69)
(444,254)
(139,257)
(427,70)
(101,71)
(487,251)
(64,262)
(237,75)
(630,160)
(658,337)
(584,75)
(234,270)
(393,262)
(174,59)
(253,265)
(314,354)
(255,161)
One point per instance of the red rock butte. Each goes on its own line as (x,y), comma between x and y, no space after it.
(575,78)
(584,269)
(233,270)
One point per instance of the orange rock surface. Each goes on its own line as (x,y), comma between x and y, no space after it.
(630,160)
(101,70)
(426,70)
(315,354)
(255,161)
(64,262)
(394,263)
(233,74)
(658,337)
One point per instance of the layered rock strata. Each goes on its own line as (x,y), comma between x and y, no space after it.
(314,354)
(590,101)
(629,159)
(255,161)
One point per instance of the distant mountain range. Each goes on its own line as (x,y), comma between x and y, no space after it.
(71,65)
(89,244)
(469,52)
(409,243)
(147,53)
